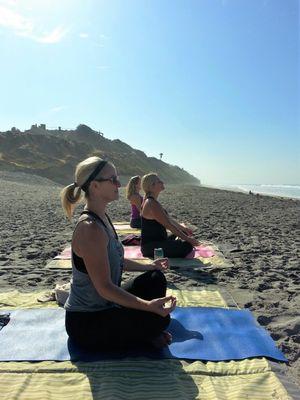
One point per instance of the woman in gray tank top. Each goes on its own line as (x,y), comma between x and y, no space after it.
(100,314)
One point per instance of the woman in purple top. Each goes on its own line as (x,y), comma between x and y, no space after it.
(133,195)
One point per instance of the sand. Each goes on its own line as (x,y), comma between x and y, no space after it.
(259,235)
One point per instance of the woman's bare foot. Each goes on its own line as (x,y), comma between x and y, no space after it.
(162,340)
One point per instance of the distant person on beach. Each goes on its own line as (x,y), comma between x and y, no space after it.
(100,313)
(156,221)
(133,195)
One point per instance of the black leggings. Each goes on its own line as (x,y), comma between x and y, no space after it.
(136,223)
(172,247)
(120,327)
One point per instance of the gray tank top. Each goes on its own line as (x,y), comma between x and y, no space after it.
(83,295)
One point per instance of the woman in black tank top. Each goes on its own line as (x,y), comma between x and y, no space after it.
(156,221)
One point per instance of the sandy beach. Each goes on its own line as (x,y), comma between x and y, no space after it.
(259,235)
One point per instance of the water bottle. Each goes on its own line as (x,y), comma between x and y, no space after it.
(158,253)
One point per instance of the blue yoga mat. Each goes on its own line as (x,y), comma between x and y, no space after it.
(199,333)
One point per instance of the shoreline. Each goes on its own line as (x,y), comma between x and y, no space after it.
(253,193)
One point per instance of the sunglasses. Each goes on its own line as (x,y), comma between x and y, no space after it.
(113,179)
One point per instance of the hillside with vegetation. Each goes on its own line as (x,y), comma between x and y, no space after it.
(55,153)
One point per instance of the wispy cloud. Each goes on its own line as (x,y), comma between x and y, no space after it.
(83,35)
(11,19)
(57,109)
(9,2)
(25,26)
(55,36)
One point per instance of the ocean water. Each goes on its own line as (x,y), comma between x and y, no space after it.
(292,191)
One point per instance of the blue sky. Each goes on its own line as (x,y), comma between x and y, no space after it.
(212,84)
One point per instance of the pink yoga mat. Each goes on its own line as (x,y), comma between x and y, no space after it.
(199,251)
(64,255)
(132,252)
(135,252)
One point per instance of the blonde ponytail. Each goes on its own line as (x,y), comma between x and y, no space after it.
(70,196)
